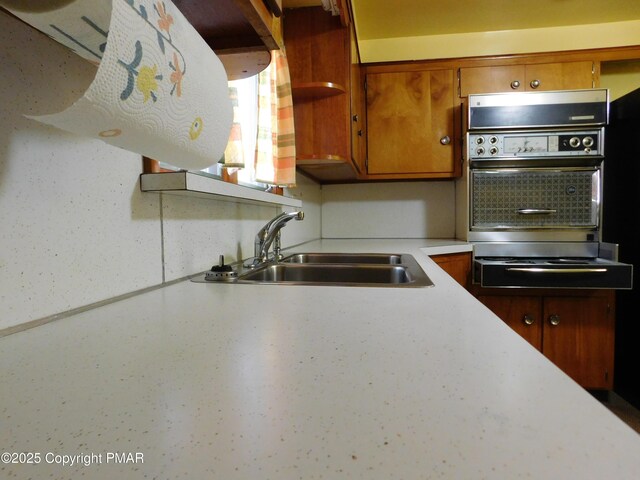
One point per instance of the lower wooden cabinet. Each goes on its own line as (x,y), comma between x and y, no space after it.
(578,336)
(575,330)
(523,314)
(457,265)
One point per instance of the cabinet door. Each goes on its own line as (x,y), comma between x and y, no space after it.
(522,313)
(559,76)
(579,338)
(508,78)
(358,119)
(410,122)
(457,265)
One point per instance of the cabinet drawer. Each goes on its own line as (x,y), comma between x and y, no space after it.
(491,79)
(531,77)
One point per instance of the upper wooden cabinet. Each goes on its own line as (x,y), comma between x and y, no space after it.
(410,124)
(402,120)
(319,55)
(358,107)
(521,78)
(240,32)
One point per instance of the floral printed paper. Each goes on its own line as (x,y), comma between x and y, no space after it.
(159,89)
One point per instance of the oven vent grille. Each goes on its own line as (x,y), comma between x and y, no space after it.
(506,199)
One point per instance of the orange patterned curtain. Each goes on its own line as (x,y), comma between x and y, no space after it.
(276,143)
(233,154)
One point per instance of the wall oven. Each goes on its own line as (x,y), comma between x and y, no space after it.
(535,170)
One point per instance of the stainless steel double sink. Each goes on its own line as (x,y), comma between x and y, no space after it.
(341,269)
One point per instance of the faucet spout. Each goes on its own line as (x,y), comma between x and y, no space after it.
(270,232)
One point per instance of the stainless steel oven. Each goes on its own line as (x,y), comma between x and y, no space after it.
(535,169)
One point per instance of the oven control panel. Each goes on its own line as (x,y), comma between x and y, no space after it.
(535,144)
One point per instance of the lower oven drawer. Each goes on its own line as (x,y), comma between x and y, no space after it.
(597,273)
(530,198)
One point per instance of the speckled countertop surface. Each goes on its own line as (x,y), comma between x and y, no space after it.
(272,382)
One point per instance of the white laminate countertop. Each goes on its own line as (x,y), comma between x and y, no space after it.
(227,381)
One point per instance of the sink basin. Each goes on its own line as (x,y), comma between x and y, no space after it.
(366,258)
(363,270)
(319,273)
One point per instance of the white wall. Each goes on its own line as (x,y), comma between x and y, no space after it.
(75,228)
(389,210)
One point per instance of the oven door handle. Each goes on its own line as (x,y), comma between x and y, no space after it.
(562,271)
(536,211)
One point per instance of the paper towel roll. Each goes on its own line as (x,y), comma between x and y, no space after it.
(159,89)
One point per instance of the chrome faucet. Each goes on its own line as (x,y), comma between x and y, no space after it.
(269,234)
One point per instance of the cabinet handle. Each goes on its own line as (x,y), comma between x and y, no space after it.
(554,319)
(515,84)
(446,140)
(535,83)
(527,319)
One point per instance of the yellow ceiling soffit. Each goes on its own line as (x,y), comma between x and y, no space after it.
(550,39)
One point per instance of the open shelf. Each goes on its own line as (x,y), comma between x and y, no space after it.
(317,90)
(204,186)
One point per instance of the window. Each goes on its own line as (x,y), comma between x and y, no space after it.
(245,119)
(262,133)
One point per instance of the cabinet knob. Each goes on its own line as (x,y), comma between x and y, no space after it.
(534,83)
(446,140)
(359,133)
(527,319)
(554,319)
(515,84)
(355,117)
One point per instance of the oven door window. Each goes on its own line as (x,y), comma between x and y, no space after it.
(505,199)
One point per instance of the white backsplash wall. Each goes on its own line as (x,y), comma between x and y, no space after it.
(389,210)
(297,232)
(74,227)
(197,231)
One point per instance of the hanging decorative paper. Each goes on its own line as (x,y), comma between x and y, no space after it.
(159,90)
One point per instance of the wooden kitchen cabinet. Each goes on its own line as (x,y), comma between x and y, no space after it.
(578,336)
(522,313)
(241,32)
(358,110)
(410,124)
(319,51)
(532,77)
(457,265)
(575,330)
